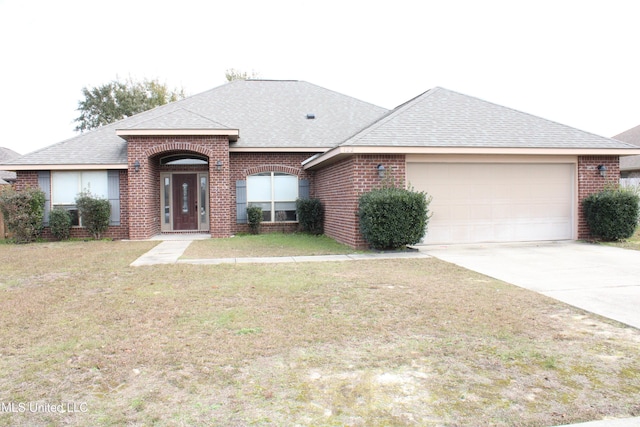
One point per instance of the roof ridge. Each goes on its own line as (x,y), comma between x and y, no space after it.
(537,117)
(389,116)
(340,94)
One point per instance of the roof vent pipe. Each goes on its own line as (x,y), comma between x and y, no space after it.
(311,116)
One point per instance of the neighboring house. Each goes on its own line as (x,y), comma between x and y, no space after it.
(630,166)
(6,179)
(6,155)
(194,165)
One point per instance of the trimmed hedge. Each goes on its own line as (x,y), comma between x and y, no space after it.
(23,213)
(391,218)
(310,215)
(612,214)
(254,218)
(94,213)
(60,223)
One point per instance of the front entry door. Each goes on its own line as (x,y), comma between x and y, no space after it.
(185,201)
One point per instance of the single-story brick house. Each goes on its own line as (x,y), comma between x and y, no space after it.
(495,174)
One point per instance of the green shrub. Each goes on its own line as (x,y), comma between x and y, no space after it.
(94,213)
(254,217)
(612,214)
(391,218)
(23,213)
(60,223)
(310,215)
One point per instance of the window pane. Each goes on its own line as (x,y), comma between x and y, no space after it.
(185,198)
(266,210)
(286,211)
(65,187)
(203,199)
(73,211)
(97,183)
(259,188)
(286,187)
(167,195)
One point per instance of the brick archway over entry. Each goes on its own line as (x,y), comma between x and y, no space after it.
(144,181)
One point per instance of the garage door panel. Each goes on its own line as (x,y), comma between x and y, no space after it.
(496,202)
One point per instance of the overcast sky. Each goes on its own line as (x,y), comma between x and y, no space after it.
(574,62)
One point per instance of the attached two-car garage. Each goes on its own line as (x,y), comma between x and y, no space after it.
(496,201)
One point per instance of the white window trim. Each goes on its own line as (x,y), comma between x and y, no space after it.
(273,201)
(70,204)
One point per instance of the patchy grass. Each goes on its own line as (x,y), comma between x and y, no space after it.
(392,342)
(632,243)
(266,245)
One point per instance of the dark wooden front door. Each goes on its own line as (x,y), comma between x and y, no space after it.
(185,201)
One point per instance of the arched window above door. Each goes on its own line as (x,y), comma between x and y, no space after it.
(183,159)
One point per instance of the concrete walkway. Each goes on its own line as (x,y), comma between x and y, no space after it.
(166,252)
(170,251)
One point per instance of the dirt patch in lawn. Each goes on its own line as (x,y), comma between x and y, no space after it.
(367,343)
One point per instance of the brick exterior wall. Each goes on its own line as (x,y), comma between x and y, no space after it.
(245,164)
(340,185)
(144,201)
(590,181)
(26,179)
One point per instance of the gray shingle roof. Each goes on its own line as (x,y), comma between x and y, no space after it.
(6,155)
(632,136)
(268,114)
(274,115)
(180,118)
(443,118)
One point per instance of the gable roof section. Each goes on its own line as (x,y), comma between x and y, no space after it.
(179,118)
(270,115)
(178,122)
(444,121)
(443,118)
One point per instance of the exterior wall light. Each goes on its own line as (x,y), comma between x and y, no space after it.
(219,165)
(380,168)
(602,169)
(136,166)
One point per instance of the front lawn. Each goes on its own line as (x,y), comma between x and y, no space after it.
(358,343)
(266,245)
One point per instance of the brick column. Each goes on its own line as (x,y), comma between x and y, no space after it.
(220,200)
(590,181)
(340,185)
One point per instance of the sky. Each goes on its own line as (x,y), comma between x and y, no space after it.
(573,62)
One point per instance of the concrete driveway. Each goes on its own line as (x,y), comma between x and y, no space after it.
(596,278)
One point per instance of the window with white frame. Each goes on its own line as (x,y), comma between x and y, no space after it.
(66,185)
(275,193)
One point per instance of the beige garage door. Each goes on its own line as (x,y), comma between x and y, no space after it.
(498,202)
